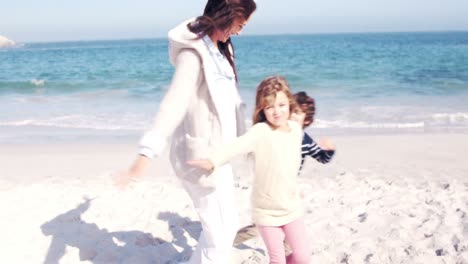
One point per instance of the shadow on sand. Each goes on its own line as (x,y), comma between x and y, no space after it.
(98,245)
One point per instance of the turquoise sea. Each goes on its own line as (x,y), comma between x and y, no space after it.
(365,83)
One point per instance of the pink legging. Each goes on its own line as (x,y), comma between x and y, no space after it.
(295,235)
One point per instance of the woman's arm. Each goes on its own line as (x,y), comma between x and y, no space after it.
(185,83)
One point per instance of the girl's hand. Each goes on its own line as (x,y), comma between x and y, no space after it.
(326,144)
(202,164)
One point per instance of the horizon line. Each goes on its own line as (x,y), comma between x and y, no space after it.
(252,35)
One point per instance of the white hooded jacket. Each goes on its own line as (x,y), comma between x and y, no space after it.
(189,112)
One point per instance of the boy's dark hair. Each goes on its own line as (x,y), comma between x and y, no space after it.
(307,105)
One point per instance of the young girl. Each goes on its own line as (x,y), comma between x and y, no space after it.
(275,142)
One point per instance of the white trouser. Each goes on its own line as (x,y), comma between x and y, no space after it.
(219,218)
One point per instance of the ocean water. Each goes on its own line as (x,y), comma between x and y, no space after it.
(365,83)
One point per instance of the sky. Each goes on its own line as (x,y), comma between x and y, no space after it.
(66,20)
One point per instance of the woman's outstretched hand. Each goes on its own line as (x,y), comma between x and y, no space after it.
(202,164)
(124,178)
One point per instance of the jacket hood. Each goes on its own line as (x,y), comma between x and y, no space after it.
(181,37)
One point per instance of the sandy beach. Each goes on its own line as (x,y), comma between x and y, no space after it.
(400,198)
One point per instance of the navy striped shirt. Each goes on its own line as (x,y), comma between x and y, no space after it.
(310,148)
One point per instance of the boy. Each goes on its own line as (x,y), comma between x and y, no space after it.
(322,152)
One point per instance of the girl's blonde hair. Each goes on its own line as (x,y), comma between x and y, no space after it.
(266,95)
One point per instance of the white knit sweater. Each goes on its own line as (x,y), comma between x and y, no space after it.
(275,199)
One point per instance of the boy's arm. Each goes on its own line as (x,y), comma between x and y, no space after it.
(311,148)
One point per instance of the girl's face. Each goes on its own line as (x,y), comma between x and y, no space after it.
(277,114)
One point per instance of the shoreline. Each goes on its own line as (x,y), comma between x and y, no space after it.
(56,135)
(164,37)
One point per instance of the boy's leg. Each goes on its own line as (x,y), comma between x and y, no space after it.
(297,240)
(245,233)
(287,248)
(273,238)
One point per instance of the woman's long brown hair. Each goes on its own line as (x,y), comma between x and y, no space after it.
(220,14)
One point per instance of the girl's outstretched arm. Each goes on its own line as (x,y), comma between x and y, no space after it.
(204,164)
(243,144)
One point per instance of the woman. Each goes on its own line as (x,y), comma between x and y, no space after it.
(200,111)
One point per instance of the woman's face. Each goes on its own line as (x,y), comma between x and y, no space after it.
(235,29)
(277,114)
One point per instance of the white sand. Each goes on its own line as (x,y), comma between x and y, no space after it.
(383,199)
